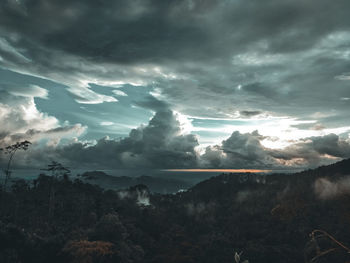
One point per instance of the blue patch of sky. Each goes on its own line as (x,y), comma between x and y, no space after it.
(62,105)
(212,123)
(121,116)
(215,130)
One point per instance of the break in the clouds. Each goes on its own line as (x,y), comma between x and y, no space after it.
(253,83)
(21,120)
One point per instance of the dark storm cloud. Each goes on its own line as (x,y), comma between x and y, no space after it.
(246,113)
(153,30)
(160,144)
(219,59)
(314,150)
(285,55)
(122,31)
(245,150)
(152,103)
(239,150)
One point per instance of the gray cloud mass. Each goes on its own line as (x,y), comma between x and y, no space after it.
(231,59)
(159,144)
(246,150)
(285,54)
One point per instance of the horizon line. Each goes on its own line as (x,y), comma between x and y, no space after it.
(218,170)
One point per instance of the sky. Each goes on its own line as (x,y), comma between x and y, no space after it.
(187,84)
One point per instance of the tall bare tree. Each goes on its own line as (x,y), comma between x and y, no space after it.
(11,151)
(57,170)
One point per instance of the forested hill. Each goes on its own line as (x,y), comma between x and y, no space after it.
(338,168)
(155,184)
(303,217)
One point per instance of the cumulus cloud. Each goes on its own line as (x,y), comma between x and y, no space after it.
(314,150)
(20,119)
(239,151)
(246,150)
(162,144)
(159,144)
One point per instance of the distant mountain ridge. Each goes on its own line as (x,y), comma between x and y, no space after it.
(155,184)
(231,184)
(170,185)
(342,167)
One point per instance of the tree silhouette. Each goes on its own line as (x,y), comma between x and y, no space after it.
(57,170)
(11,151)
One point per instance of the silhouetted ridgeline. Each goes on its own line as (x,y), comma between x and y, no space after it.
(269,218)
(155,184)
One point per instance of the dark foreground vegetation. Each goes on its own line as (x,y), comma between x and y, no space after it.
(302,217)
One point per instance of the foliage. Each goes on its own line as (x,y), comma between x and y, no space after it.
(270,221)
(11,151)
(89,251)
(325,246)
(57,170)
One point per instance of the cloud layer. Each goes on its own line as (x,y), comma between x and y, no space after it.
(201,60)
(159,144)
(246,150)
(21,120)
(163,144)
(280,57)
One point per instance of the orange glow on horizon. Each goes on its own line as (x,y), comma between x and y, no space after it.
(218,170)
